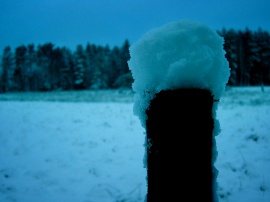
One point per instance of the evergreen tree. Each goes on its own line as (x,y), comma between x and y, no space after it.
(79,68)
(67,70)
(6,73)
(57,64)
(121,75)
(246,63)
(99,76)
(106,68)
(261,68)
(31,67)
(90,52)
(231,46)
(45,68)
(21,73)
(115,63)
(125,56)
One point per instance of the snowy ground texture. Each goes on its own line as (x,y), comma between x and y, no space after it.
(93,151)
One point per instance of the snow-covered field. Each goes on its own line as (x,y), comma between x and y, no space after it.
(73,148)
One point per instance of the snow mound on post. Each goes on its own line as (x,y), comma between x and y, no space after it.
(182,54)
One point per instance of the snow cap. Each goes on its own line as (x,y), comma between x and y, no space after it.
(182,54)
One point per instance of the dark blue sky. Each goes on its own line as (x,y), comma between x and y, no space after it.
(72,22)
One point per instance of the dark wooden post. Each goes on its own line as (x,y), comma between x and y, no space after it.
(179,130)
(178,70)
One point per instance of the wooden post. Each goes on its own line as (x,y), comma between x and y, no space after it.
(178,70)
(179,129)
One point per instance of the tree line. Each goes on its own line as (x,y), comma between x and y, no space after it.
(248,54)
(47,68)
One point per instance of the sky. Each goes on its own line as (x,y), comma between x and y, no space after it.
(109,22)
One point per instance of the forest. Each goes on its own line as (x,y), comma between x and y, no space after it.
(47,67)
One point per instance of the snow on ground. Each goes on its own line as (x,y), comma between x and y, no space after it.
(93,151)
(244,146)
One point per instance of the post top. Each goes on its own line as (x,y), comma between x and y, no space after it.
(181,54)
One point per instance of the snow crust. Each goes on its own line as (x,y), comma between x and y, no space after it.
(181,54)
(91,150)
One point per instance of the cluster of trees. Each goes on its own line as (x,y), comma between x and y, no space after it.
(46,67)
(248,53)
